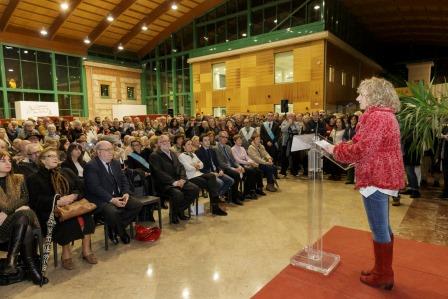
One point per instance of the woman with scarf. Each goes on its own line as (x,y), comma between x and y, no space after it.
(17,221)
(43,186)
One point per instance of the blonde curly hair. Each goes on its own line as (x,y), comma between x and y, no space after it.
(379,92)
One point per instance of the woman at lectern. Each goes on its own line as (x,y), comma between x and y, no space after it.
(379,170)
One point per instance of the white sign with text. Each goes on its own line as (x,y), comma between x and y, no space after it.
(27,109)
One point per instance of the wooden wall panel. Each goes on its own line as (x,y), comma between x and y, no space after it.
(250,83)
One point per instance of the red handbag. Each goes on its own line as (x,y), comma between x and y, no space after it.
(147,234)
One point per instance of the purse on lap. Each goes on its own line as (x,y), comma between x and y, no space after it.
(75,209)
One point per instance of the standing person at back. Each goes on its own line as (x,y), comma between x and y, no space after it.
(108,188)
(270,133)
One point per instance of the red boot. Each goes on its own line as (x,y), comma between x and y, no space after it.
(382,275)
(367,273)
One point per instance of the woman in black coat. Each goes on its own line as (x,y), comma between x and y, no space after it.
(74,160)
(42,187)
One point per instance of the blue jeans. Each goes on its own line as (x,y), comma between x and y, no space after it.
(224,182)
(377,210)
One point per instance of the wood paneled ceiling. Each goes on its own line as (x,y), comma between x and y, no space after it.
(88,19)
(416,22)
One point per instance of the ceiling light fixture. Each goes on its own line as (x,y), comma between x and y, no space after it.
(316,7)
(11,70)
(25,51)
(275,21)
(87,40)
(64,6)
(243,34)
(120,47)
(174,6)
(144,27)
(44,32)
(110,18)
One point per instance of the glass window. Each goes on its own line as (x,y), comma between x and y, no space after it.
(257,22)
(187,38)
(299,18)
(232,29)
(61,59)
(29,72)
(45,76)
(219,76)
(343,78)
(2,109)
(76,103)
(104,90)
(314,11)
(62,78)
(43,57)
(11,52)
(242,26)
(12,72)
(74,61)
(270,19)
(283,11)
(64,104)
(130,92)
(202,36)
(28,55)
(46,97)
(284,67)
(12,98)
(75,79)
(331,74)
(28,96)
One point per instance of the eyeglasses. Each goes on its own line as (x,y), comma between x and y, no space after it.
(5,161)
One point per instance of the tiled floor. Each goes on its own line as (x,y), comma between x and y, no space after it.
(226,257)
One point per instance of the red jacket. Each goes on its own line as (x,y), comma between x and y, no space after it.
(375,150)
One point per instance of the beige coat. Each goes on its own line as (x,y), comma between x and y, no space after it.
(258,153)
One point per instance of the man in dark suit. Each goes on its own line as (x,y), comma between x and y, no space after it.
(270,133)
(315,125)
(108,188)
(211,165)
(171,180)
(229,165)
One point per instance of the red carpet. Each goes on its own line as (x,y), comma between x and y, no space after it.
(421,271)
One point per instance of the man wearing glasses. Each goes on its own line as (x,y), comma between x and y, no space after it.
(107,186)
(28,165)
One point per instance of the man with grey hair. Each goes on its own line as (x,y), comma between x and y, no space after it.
(27,130)
(107,186)
(28,165)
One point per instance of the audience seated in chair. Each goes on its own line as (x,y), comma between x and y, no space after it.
(17,221)
(107,187)
(42,186)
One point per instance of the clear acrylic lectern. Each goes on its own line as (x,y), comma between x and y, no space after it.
(312,257)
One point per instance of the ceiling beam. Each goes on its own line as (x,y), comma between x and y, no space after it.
(151,17)
(60,20)
(7,14)
(104,24)
(179,23)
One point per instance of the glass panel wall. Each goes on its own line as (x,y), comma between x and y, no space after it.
(29,76)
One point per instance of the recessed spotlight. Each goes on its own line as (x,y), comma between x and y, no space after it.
(316,7)
(174,6)
(84,58)
(64,6)
(243,34)
(206,38)
(175,50)
(44,32)
(120,47)
(155,69)
(275,21)
(227,40)
(8,47)
(10,70)
(87,41)
(110,18)
(25,51)
(144,27)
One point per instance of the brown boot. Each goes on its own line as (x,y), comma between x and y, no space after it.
(382,275)
(270,187)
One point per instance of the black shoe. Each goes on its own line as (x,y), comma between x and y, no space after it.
(125,239)
(250,196)
(217,211)
(113,237)
(260,192)
(415,194)
(28,255)
(175,220)
(406,192)
(238,202)
(183,217)
(18,233)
